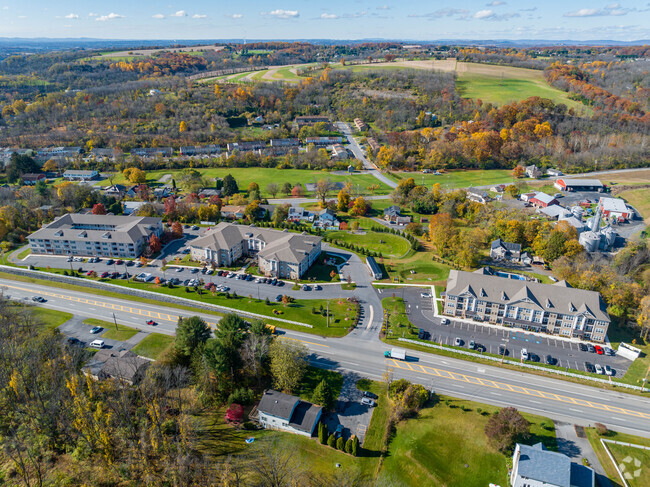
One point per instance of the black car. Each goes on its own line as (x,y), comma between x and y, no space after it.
(274,282)
(39,299)
(110,262)
(280,283)
(503,350)
(369,394)
(550,360)
(75,342)
(583,347)
(480,348)
(423,334)
(278,298)
(589,367)
(317,287)
(533,357)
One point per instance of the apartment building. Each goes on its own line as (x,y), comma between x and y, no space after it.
(558,309)
(279,253)
(95,235)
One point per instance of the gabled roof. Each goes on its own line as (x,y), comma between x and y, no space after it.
(512,247)
(509,291)
(537,463)
(277,404)
(543,197)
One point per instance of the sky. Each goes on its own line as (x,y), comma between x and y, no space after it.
(335,19)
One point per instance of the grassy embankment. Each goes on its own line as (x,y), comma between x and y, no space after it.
(121,333)
(153,345)
(50,318)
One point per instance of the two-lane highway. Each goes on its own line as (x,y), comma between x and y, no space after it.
(356,353)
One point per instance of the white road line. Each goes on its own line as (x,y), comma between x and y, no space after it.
(372,313)
(576,410)
(496,393)
(536,402)
(619,419)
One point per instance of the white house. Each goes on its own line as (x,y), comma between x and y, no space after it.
(284,412)
(535,466)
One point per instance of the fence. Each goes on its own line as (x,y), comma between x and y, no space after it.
(142,294)
(527,366)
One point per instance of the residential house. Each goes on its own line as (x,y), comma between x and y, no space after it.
(554,172)
(615,208)
(298,213)
(339,152)
(233,212)
(251,146)
(557,309)
(148,152)
(526,258)
(284,412)
(542,200)
(477,195)
(95,235)
(279,253)
(393,214)
(373,144)
(131,207)
(326,220)
(292,142)
(500,250)
(30,179)
(535,466)
(116,190)
(209,192)
(565,184)
(360,125)
(200,150)
(123,365)
(323,141)
(499,188)
(309,120)
(101,154)
(74,175)
(533,171)
(526,197)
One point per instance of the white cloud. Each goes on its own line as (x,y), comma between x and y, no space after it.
(92,14)
(383,7)
(483,14)
(613,10)
(111,16)
(199,16)
(283,14)
(495,3)
(445,12)
(22,16)
(158,16)
(5,8)
(71,16)
(329,16)
(235,16)
(180,13)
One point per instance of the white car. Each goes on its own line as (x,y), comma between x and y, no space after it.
(179,269)
(231,275)
(524,354)
(444,321)
(599,369)
(366,401)
(425,295)
(97,344)
(608,370)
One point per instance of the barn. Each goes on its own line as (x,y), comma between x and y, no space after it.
(565,184)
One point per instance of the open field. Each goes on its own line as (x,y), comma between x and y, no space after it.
(620,453)
(263,176)
(153,345)
(149,52)
(122,333)
(425,269)
(459,178)
(387,244)
(635,461)
(640,200)
(50,318)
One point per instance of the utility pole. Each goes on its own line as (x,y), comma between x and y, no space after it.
(115,321)
(645,379)
(328,317)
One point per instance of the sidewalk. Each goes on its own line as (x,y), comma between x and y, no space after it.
(577,448)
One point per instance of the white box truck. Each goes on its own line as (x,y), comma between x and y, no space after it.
(396,353)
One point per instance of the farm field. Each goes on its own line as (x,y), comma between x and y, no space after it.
(458,179)
(264,176)
(133,53)
(639,199)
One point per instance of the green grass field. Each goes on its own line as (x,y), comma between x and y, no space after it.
(639,199)
(50,318)
(620,453)
(153,345)
(388,244)
(418,267)
(458,179)
(264,176)
(314,376)
(122,333)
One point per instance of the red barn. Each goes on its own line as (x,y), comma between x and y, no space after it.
(542,200)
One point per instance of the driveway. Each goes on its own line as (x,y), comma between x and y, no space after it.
(75,328)
(354,416)
(577,447)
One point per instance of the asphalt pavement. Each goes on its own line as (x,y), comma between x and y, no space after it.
(554,398)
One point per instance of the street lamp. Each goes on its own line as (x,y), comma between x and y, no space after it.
(505,348)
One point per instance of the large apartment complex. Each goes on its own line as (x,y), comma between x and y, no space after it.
(95,235)
(279,253)
(556,308)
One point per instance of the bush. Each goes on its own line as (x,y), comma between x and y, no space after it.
(249,426)
(242,396)
(355,446)
(348,446)
(507,427)
(340,444)
(322,433)
(601,429)
(331,441)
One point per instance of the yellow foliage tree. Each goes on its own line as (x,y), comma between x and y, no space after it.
(182,127)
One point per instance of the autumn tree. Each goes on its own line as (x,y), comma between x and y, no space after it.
(286,188)
(98,209)
(273,189)
(643,317)
(518,172)
(359,207)
(297,191)
(288,364)
(442,232)
(177,230)
(323,186)
(253,186)
(507,427)
(154,244)
(182,126)
(343,201)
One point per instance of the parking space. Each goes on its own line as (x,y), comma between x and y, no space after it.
(75,328)
(353,416)
(489,339)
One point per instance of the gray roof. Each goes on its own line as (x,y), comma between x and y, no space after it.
(305,416)
(582,182)
(75,172)
(392,210)
(111,228)
(277,404)
(512,247)
(543,197)
(537,463)
(122,364)
(280,245)
(554,298)
(555,211)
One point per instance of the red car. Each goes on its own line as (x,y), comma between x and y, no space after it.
(104,275)
(151,322)
(89,273)
(599,349)
(119,262)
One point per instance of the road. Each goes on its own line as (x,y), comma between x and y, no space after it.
(559,400)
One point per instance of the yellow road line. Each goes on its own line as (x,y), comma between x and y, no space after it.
(517,389)
(305,341)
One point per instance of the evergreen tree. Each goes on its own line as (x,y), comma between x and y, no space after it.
(322,433)
(348,446)
(230,186)
(340,444)
(355,446)
(331,441)
(323,395)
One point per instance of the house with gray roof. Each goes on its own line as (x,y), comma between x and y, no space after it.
(279,253)
(280,411)
(535,466)
(393,214)
(95,235)
(123,365)
(502,250)
(557,308)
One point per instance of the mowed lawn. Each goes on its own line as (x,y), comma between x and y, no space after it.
(264,176)
(634,460)
(640,200)
(460,178)
(446,445)
(153,345)
(425,269)
(50,318)
(388,244)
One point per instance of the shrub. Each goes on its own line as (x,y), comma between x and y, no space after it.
(331,441)
(505,428)
(601,429)
(340,444)
(322,433)
(348,446)
(242,396)
(355,446)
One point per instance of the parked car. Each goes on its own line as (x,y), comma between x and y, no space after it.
(204,270)
(472,345)
(338,431)
(366,401)
(89,273)
(280,283)
(589,367)
(524,354)
(503,350)
(550,360)
(610,351)
(96,329)
(599,350)
(278,298)
(96,344)
(317,287)
(119,262)
(423,334)
(195,227)
(592,349)
(104,275)
(75,342)
(195,270)
(599,369)
(444,321)
(70,259)
(458,342)
(209,272)
(110,262)
(305,287)
(425,295)
(608,370)
(369,394)
(583,347)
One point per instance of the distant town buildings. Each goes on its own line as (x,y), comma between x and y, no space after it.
(74,175)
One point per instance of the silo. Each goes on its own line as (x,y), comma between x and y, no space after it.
(590,241)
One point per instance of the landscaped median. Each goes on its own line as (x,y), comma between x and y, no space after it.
(307,315)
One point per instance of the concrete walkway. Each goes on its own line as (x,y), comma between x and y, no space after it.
(578,448)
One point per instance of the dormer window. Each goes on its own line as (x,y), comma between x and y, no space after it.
(59,233)
(548,303)
(106,235)
(83,234)
(504,296)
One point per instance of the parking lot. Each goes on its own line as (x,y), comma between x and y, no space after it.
(351,414)
(489,338)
